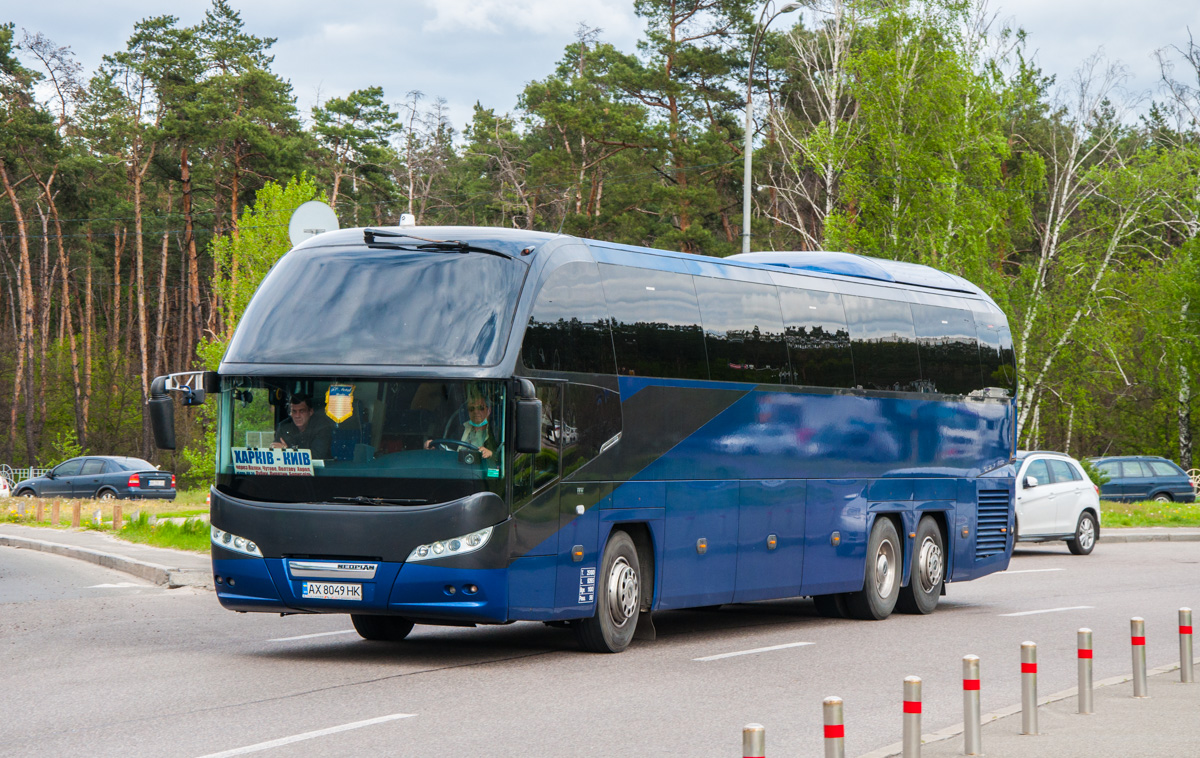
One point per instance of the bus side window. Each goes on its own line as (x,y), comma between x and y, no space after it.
(533,471)
(948,347)
(884,344)
(743,331)
(817,338)
(568,329)
(656,323)
(592,417)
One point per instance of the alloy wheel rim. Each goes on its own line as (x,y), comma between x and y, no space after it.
(622,591)
(1087,534)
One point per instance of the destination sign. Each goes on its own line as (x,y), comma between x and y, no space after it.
(272,461)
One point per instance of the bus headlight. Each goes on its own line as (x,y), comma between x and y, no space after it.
(235,543)
(468,543)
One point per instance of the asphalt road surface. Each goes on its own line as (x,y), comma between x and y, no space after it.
(95,663)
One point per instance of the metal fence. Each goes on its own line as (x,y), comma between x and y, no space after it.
(14,475)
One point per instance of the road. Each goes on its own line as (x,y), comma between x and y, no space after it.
(94,663)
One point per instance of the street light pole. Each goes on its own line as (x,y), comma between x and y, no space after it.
(758,33)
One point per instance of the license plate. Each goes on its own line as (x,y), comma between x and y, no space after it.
(331,590)
(156,483)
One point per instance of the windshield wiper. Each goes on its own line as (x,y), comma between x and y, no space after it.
(364,500)
(383,237)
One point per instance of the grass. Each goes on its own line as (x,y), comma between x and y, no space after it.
(191,534)
(1149,513)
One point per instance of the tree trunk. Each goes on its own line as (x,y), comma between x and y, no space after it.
(191,311)
(25,295)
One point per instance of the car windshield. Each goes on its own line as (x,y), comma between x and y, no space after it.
(392,442)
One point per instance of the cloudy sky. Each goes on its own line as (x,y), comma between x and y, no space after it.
(486,50)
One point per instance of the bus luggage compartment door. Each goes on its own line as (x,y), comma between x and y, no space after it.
(770,554)
(575,589)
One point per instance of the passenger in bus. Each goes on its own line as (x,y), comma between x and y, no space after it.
(476,430)
(304,429)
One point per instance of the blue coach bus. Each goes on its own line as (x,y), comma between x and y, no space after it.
(506,425)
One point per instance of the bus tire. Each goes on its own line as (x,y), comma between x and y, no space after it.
(831,606)
(928,570)
(881,583)
(618,599)
(381,628)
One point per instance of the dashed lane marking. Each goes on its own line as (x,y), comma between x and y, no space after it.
(307,736)
(752,652)
(1050,610)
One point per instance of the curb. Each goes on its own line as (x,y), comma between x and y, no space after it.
(897,748)
(164,576)
(1167,537)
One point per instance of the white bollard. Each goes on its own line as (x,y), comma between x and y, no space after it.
(1029,720)
(1137,630)
(912,717)
(754,741)
(835,730)
(1185,646)
(972,742)
(1085,670)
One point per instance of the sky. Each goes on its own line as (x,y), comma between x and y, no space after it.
(469,51)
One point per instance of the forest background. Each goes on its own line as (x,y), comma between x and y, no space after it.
(142,202)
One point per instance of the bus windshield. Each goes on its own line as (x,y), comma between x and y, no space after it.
(338,440)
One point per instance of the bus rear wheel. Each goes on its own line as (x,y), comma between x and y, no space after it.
(618,599)
(881,584)
(928,570)
(381,628)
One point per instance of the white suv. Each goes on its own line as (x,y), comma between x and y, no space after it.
(1056,501)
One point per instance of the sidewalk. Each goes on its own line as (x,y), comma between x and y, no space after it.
(170,568)
(1120,726)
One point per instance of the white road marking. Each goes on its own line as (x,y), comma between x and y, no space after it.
(1025,571)
(755,650)
(307,736)
(111,586)
(310,636)
(1050,610)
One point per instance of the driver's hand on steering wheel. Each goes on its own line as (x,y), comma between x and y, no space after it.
(483,451)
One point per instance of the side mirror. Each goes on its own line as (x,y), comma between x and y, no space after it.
(1031,482)
(50,474)
(162,414)
(529,426)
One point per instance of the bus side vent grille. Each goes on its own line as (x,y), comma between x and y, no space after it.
(991,526)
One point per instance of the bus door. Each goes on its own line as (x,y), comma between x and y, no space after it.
(770,556)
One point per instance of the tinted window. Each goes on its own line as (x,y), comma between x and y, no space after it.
(1061,471)
(1133,469)
(93,466)
(656,323)
(136,464)
(948,348)
(70,468)
(817,338)
(591,417)
(743,331)
(392,307)
(1076,474)
(1163,468)
(996,356)
(1110,469)
(884,345)
(568,330)
(532,471)
(1039,471)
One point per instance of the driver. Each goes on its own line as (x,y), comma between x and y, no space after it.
(477,431)
(302,430)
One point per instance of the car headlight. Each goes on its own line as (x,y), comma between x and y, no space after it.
(468,543)
(235,543)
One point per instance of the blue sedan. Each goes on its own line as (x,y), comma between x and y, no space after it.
(107,477)
(1133,478)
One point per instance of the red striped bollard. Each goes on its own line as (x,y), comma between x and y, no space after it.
(972,743)
(1185,645)
(754,741)
(1137,632)
(835,731)
(912,717)
(1029,723)
(1085,670)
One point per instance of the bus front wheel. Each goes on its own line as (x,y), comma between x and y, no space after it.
(381,628)
(618,599)
(881,585)
(928,570)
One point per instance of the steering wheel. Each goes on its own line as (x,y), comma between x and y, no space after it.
(449,445)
